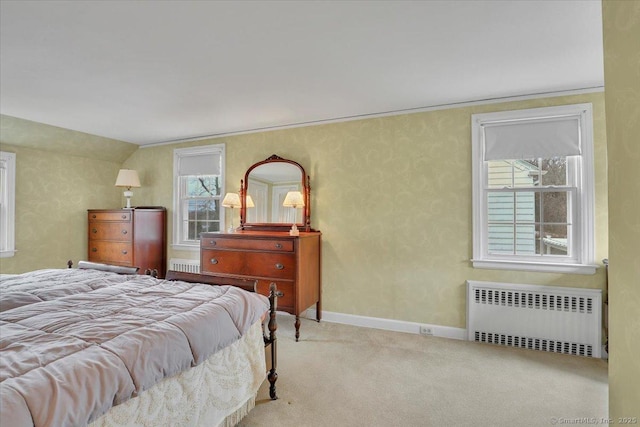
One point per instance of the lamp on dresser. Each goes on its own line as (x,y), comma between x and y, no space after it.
(231,200)
(294,200)
(128,178)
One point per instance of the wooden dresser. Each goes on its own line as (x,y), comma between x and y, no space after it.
(133,237)
(292,262)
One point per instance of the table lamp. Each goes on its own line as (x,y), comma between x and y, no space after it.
(294,200)
(231,200)
(128,178)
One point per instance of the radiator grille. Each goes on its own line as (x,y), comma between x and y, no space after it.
(553,319)
(185,265)
(531,343)
(535,300)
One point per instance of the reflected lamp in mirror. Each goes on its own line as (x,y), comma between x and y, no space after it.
(294,200)
(249,202)
(231,200)
(128,178)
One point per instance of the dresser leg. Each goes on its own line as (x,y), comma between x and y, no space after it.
(318,311)
(297,324)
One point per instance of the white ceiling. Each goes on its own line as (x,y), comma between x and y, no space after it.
(148,72)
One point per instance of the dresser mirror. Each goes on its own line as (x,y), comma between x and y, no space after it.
(267,184)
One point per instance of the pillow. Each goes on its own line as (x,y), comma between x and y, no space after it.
(107,267)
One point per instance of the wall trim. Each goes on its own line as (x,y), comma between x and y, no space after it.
(496,100)
(387,324)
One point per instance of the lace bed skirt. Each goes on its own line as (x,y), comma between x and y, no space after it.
(218,392)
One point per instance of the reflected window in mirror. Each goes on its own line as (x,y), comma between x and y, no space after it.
(259,193)
(268,198)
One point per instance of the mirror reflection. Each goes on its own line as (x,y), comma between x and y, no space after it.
(268,185)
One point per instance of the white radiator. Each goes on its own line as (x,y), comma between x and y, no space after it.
(185,265)
(546,318)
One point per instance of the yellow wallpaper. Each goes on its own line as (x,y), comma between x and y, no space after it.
(621,24)
(39,136)
(53,193)
(392,197)
(60,173)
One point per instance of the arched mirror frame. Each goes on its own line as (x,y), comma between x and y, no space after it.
(305,225)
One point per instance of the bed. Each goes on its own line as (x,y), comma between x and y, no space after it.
(102,346)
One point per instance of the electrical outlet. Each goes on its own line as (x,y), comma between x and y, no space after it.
(425,330)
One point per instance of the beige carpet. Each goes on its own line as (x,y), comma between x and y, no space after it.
(340,375)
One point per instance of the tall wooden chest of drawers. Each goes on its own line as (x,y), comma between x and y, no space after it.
(133,237)
(292,262)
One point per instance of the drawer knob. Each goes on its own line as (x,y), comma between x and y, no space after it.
(93,216)
(124,252)
(214,261)
(212,242)
(124,216)
(124,231)
(94,249)
(278,245)
(94,230)
(279,266)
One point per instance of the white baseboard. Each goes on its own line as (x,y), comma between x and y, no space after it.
(388,324)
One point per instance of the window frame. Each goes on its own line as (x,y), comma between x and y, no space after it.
(179,241)
(580,171)
(8,205)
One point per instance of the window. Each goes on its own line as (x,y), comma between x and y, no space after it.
(7,203)
(533,191)
(198,182)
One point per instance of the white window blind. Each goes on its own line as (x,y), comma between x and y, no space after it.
(528,139)
(200,164)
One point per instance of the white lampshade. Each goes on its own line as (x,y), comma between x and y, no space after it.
(293,199)
(231,200)
(249,202)
(127,178)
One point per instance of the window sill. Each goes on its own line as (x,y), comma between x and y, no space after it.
(536,266)
(184,247)
(7,254)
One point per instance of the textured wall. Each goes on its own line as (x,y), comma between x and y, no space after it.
(60,173)
(39,136)
(392,197)
(53,193)
(621,25)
